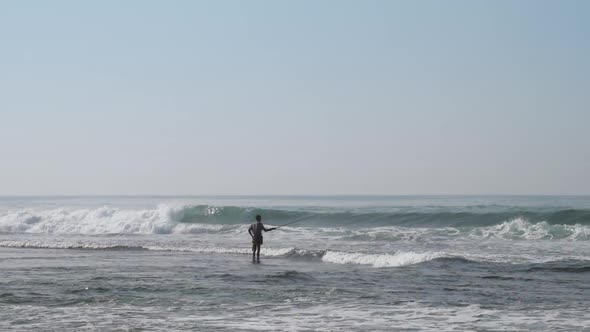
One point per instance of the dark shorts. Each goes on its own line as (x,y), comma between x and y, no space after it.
(257,241)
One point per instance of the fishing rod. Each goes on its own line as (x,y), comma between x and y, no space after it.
(294,221)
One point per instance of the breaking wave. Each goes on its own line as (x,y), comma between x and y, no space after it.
(381,260)
(522,229)
(410,226)
(516,229)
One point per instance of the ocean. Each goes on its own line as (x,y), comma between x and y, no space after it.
(367,263)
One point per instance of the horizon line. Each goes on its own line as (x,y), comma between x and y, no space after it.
(285,195)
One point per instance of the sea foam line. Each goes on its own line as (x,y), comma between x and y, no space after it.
(376,260)
(382,260)
(328,256)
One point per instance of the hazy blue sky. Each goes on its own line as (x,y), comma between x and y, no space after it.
(294,97)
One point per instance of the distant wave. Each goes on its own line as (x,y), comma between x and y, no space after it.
(516,229)
(164,219)
(522,229)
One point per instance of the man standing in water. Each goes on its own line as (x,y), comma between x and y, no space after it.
(255,231)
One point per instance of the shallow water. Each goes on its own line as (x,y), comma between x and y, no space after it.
(358,263)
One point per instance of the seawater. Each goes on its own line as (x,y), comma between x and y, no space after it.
(356,263)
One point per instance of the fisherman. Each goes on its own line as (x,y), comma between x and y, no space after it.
(255,231)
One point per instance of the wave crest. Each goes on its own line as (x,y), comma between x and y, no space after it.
(525,230)
(382,260)
(107,220)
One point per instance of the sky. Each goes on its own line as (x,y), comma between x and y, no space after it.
(294,97)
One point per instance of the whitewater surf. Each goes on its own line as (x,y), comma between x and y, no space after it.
(445,263)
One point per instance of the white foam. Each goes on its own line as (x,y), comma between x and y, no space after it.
(412,316)
(104,220)
(164,219)
(520,228)
(312,316)
(40,244)
(220,250)
(98,245)
(381,260)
